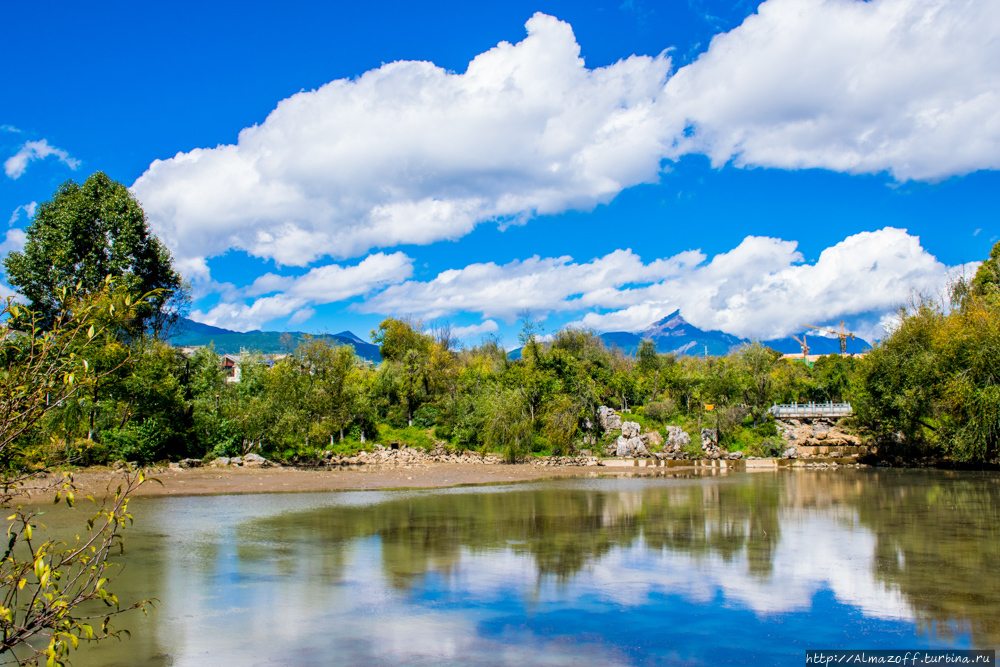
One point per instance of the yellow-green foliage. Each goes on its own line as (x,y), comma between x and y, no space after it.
(936,379)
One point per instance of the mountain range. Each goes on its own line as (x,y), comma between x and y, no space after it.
(226,341)
(673,334)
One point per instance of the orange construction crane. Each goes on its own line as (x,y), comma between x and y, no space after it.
(843,335)
(802,342)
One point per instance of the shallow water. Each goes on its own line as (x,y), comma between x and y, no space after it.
(745,569)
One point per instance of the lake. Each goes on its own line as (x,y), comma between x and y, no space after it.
(740,569)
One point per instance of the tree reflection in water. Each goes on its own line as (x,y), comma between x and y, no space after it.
(936,534)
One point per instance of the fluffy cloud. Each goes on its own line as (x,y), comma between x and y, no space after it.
(29,212)
(13,242)
(293,296)
(475,330)
(761,288)
(539,285)
(906,86)
(15,165)
(411,154)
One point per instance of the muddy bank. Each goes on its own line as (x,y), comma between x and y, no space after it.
(237,480)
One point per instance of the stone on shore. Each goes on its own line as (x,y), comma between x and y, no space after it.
(610,420)
(255,461)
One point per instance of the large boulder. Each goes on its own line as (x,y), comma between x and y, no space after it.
(255,461)
(629,447)
(189,463)
(610,420)
(630,429)
(677,438)
(220,462)
(652,439)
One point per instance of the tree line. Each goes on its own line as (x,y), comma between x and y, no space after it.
(86,377)
(928,387)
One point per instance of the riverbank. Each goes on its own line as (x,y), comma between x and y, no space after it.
(230,480)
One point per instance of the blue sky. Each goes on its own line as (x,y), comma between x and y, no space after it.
(818,160)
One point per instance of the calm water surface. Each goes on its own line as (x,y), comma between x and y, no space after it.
(749,569)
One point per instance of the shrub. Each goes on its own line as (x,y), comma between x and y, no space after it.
(661,410)
(136,441)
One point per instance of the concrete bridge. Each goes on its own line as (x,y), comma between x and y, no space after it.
(811,410)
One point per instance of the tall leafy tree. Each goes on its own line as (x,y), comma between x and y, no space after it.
(85,233)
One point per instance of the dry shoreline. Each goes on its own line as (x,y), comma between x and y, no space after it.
(227,481)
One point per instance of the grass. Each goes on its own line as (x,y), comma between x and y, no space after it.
(410,435)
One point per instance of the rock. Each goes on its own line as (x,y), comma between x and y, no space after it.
(630,429)
(653,439)
(117,465)
(585,452)
(220,462)
(677,438)
(709,436)
(236,461)
(639,448)
(610,420)
(189,463)
(255,461)
(788,453)
(735,456)
(173,465)
(628,447)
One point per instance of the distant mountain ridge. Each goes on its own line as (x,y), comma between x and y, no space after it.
(226,341)
(674,334)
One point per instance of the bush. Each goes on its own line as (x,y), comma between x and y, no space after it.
(768,447)
(660,410)
(137,441)
(226,448)
(426,416)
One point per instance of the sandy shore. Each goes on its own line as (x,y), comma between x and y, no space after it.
(209,481)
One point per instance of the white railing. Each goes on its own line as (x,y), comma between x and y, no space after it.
(806,410)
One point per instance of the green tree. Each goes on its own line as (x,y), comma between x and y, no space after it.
(754,363)
(86,233)
(402,344)
(562,417)
(47,587)
(987,278)
(506,424)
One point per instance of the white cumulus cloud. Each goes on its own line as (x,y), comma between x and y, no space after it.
(474,330)
(411,154)
(294,296)
(28,209)
(762,288)
(13,242)
(536,284)
(15,165)
(911,87)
